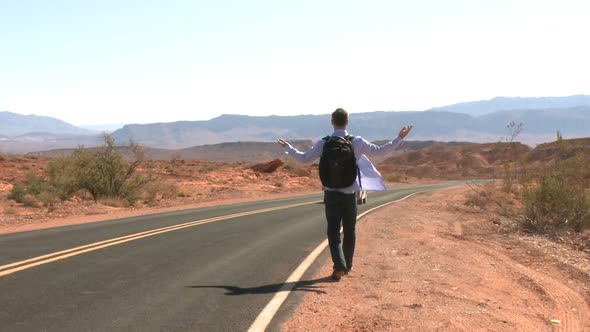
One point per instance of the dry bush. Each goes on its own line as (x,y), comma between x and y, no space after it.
(476,199)
(558,200)
(554,196)
(103,173)
(29,201)
(29,190)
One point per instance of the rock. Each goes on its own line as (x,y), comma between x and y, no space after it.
(268,167)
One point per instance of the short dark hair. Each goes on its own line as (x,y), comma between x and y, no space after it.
(339,117)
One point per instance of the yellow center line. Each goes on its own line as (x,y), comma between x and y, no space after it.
(52,257)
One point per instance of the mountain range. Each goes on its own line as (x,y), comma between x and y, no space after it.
(479,121)
(477,108)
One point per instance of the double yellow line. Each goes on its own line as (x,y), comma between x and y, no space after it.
(52,257)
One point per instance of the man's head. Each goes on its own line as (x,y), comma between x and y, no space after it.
(340,118)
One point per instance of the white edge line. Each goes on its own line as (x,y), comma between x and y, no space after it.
(269,311)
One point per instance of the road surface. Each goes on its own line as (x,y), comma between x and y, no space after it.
(206,269)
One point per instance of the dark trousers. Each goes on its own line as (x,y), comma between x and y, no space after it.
(341,210)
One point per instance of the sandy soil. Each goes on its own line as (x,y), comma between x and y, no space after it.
(431,263)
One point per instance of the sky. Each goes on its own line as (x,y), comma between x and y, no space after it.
(124,61)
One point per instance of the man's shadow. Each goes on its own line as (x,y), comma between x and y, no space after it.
(304,285)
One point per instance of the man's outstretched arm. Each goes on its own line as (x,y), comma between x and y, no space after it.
(363,146)
(303,157)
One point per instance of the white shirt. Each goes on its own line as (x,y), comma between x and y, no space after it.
(361,148)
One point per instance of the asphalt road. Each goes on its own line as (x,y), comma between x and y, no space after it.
(207,269)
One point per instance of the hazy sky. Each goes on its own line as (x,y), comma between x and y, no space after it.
(123,61)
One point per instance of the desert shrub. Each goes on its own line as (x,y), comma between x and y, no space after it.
(62,177)
(102,173)
(28,191)
(105,172)
(559,200)
(476,199)
(556,196)
(30,201)
(18,192)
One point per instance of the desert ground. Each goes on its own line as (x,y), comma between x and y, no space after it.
(433,262)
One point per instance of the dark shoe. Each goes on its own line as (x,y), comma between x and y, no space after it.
(337,275)
(347,271)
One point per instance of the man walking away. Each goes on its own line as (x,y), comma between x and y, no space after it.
(339,154)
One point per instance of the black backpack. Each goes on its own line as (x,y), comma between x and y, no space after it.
(338,168)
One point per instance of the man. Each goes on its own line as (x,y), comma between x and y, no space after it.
(340,203)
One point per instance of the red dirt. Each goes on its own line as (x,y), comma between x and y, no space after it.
(430,263)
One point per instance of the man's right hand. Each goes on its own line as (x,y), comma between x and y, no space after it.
(282,142)
(405,131)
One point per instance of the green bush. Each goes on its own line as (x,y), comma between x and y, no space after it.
(28,191)
(18,192)
(103,173)
(62,177)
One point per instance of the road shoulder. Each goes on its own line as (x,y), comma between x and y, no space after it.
(433,263)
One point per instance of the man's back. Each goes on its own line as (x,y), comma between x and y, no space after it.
(338,168)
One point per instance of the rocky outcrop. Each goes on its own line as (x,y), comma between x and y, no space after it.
(268,167)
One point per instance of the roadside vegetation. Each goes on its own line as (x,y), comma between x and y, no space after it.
(104,174)
(544,193)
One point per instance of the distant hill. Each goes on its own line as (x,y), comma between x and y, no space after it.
(479,160)
(477,108)
(454,162)
(109,127)
(539,126)
(33,142)
(478,122)
(12,124)
(248,152)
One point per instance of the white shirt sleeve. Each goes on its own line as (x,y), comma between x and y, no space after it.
(308,156)
(362,146)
